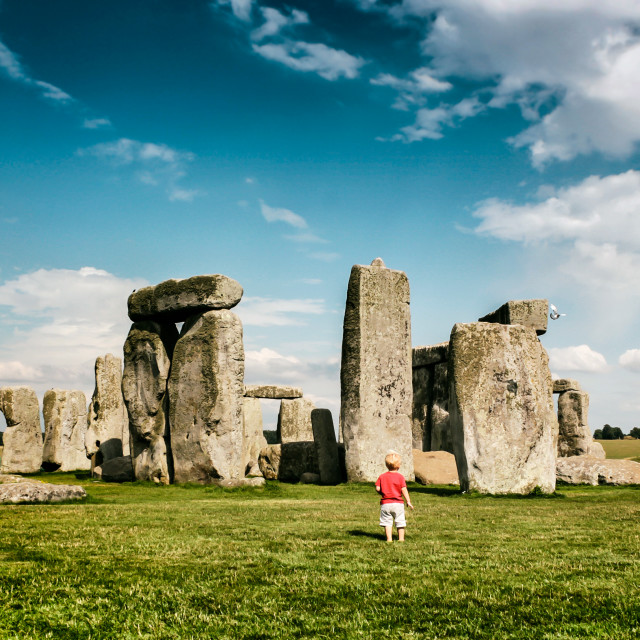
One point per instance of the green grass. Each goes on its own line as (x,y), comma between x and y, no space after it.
(298,561)
(629,449)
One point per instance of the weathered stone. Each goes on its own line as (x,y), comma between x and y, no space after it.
(205,398)
(115,470)
(16,490)
(528,313)
(574,435)
(435,467)
(376,389)
(324,436)
(147,361)
(596,450)
(287,462)
(439,421)
(566,384)
(23,437)
(272,392)
(65,426)
(589,470)
(433,354)
(107,433)
(503,422)
(177,300)
(254,440)
(294,420)
(422,383)
(310,478)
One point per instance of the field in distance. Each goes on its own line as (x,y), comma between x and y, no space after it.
(627,449)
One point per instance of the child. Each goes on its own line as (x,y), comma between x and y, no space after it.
(393,489)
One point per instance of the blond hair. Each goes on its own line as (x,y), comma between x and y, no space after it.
(392,460)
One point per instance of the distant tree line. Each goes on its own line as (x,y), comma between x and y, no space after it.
(614,433)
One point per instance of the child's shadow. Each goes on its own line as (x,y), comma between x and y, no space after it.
(367,534)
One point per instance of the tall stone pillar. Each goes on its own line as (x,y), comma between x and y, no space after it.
(206,389)
(254,441)
(65,426)
(147,361)
(376,388)
(23,437)
(294,420)
(324,437)
(108,423)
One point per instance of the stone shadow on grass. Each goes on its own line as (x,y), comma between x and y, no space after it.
(366,534)
(434,490)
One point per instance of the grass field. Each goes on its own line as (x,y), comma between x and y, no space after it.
(299,561)
(629,449)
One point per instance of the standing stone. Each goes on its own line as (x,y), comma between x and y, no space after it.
(206,388)
(376,390)
(324,436)
(420,426)
(147,361)
(528,313)
(289,461)
(294,420)
(574,435)
(22,439)
(502,415)
(177,300)
(254,440)
(65,426)
(108,425)
(440,423)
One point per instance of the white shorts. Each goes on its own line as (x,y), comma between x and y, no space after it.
(390,512)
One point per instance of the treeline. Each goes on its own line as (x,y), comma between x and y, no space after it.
(614,433)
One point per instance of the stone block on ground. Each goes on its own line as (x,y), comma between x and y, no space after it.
(176,300)
(115,470)
(253,438)
(294,420)
(503,421)
(147,361)
(17,490)
(594,471)
(107,433)
(375,376)
(324,437)
(574,435)
(206,389)
(528,313)
(65,427)
(287,462)
(272,392)
(435,467)
(22,438)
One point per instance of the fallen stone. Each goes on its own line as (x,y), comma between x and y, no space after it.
(310,478)
(205,399)
(65,427)
(589,470)
(324,436)
(435,467)
(272,392)
(503,422)
(287,462)
(294,420)
(147,361)
(115,470)
(240,482)
(528,313)
(22,438)
(253,438)
(375,376)
(432,354)
(566,384)
(574,435)
(16,490)
(108,423)
(177,300)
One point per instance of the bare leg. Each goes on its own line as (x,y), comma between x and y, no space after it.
(389,532)
(401,534)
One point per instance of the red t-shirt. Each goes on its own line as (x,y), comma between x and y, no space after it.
(391,484)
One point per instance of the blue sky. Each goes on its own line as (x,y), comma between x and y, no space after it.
(486,148)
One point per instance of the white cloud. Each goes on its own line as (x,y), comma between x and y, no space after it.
(58,321)
(11,65)
(96,123)
(273,214)
(268,312)
(412,91)
(52,92)
(307,238)
(275,22)
(595,225)
(241,8)
(630,359)
(327,62)
(184,195)
(579,358)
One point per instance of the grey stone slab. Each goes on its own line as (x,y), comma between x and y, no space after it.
(528,313)
(287,462)
(272,392)
(253,438)
(324,436)
(590,470)
(566,384)
(432,354)
(176,300)
(294,420)
(23,437)
(574,434)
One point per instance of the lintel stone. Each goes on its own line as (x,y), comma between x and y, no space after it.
(433,354)
(528,313)
(272,392)
(566,384)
